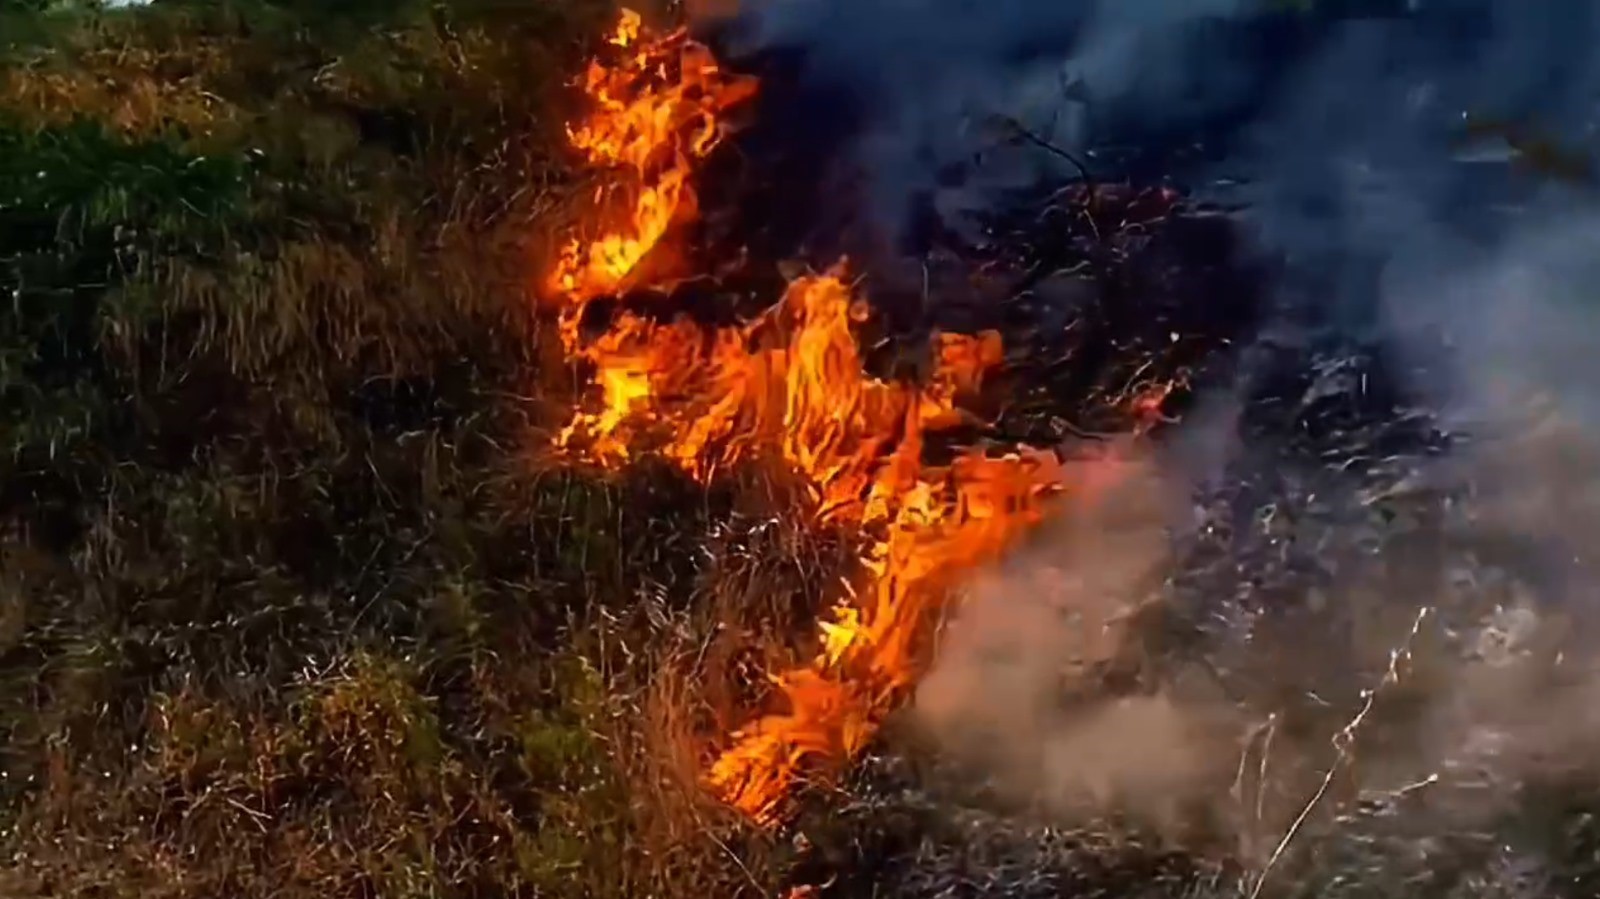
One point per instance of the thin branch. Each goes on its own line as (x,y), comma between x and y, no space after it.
(1022,132)
(1343,741)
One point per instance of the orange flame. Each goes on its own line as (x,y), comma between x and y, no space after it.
(948,523)
(655,114)
(789,385)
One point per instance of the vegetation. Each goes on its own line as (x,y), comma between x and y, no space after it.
(289,604)
(286,607)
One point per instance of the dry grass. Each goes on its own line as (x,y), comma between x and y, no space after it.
(289,610)
(290,605)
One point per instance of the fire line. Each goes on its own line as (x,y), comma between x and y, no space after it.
(788,385)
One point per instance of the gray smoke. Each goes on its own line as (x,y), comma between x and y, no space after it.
(934,73)
(1342,138)
(1495,698)
(1338,131)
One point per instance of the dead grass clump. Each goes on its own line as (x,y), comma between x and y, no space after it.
(352,788)
(127,90)
(287,614)
(396,170)
(677,654)
(389,306)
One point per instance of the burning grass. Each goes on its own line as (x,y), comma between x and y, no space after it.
(788,386)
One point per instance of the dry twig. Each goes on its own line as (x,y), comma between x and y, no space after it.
(1343,742)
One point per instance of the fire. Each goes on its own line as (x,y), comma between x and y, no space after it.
(945,525)
(656,112)
(789,387)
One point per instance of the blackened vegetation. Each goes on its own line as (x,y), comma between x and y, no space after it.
(781,190)
(1119,301)
(1123,302)
(908,828)
(1110,294)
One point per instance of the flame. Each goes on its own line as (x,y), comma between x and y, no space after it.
(706,400)
(788,386)
(655,113)
(948,523)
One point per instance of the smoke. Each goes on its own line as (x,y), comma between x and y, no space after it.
(1476,273)
(1018,691)
(935,74)
(1432,680)
(1421,173)
(1456,605)
(1361,168)
(1338,131)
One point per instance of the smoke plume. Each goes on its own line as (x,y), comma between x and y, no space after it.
(1339,131)
(1020,686)
(1420,172)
